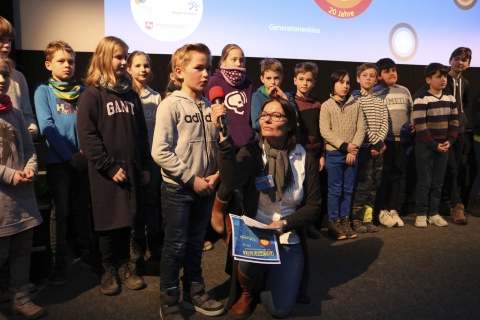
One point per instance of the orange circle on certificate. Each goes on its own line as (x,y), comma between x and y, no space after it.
(344,9)
(264,242)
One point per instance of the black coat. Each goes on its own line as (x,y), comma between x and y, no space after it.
(113,135)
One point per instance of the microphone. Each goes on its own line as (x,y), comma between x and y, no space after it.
(217,96)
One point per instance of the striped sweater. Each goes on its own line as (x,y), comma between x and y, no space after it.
(375,114)
(435,119)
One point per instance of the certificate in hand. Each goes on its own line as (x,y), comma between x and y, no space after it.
(253,244)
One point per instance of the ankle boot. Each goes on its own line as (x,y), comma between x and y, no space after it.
(23,305)
(169,306)
(242,308)
(218,213)
(128,276)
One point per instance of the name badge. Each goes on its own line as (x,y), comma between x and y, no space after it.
(265,182)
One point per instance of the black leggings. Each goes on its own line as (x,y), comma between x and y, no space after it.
(114,245)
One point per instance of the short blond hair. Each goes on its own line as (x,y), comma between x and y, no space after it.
(101,61)
(183,55)
(55,46)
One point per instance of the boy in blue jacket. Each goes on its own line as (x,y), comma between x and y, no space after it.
(55,105)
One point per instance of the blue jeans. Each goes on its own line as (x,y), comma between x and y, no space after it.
(185,219)
(282,280)
(475,192)
(70,197)
(341,179)
(431,166)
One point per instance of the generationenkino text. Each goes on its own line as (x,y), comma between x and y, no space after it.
(274,27)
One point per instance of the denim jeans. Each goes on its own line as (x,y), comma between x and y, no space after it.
(70,199)
(475,192)
(185,219)
(341,179)
(431,166)
(367,181)
(282,280)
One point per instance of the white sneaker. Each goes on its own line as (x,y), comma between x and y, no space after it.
(438,220)
(386,219)
(397,218)
(421,222)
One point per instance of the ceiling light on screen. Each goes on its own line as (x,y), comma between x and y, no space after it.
(403,42)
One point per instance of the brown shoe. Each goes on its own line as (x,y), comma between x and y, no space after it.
(24,306)
(458,214)
(128,276)
(218,213)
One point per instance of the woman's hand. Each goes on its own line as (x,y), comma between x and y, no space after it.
(218,110)
(277,226)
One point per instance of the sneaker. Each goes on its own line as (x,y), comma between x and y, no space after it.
(195,298)
(387,219)
(313,233)
(207,246)
(25,307)
(109,284)
(458,214)
(335,230)
(58,277)
(396,217)
(358,226)
(345,223)
(438,220)
(127,274)
(371,228)
(421,222)
(169,307)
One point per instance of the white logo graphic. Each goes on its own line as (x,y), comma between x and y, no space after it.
(236,100)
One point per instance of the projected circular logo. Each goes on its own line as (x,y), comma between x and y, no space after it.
(344,9)
(465,4)
(167,20)
(403,41)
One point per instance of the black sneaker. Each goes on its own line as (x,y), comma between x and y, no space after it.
(109,285)
(195,298)
(313,233)
(58,277)
(335,230)
(128,275)
(345,222)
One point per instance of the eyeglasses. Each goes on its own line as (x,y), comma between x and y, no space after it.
(274,116)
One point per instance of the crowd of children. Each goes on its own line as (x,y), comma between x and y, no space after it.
(146,171)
